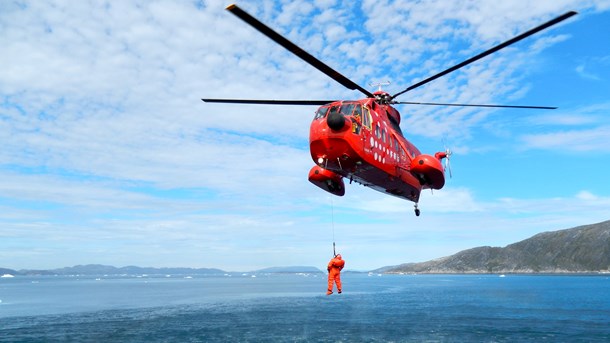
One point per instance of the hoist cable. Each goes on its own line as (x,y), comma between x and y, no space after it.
(332,216)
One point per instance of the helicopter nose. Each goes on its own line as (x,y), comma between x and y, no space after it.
(335,121)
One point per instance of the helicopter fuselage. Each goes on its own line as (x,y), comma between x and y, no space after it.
(361,141)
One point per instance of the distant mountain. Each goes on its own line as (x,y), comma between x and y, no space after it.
(8,271)
(98,269)
(581,249)
(292,269)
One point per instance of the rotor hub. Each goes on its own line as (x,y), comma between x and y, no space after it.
(382,97)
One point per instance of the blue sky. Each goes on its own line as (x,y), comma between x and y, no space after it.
(109,156)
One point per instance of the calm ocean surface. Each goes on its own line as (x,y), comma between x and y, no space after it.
(294,308)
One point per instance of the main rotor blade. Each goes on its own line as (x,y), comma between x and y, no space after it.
(270,102)
(491,51)
(474,105)
(276,37)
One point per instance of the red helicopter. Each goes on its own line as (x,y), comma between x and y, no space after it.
(361,140)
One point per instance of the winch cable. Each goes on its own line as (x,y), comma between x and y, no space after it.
(332,216)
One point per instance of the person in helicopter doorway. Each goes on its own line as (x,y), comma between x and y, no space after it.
(334,273)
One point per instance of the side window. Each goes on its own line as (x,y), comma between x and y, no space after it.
(377,133)
(383,135)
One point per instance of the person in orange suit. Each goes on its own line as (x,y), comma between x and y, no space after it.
(334,273)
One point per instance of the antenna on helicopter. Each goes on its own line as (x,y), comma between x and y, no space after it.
(379,84)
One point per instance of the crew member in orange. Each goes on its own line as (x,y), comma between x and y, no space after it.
(334,273)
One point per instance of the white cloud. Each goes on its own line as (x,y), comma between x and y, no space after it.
(586,140)
(580,69)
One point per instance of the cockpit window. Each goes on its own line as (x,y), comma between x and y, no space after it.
(321,112)
(347,109)
(334,109)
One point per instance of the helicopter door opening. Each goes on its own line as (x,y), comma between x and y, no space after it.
(357,119)
(366,132)
(366,118)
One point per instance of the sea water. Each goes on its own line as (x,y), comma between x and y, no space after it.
(294,308)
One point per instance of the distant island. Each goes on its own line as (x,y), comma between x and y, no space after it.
(290,269)
(98,269)
(583,249)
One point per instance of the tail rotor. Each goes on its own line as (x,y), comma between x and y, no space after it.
(448,153)
(447,164)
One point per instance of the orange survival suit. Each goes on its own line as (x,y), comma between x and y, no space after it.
(334,273)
